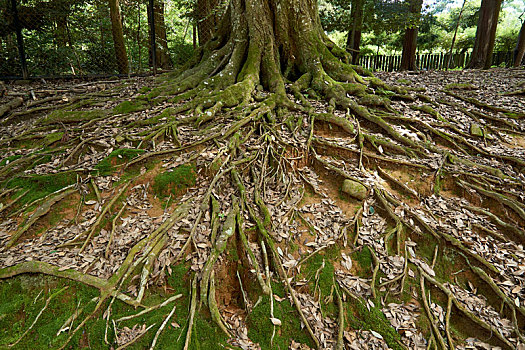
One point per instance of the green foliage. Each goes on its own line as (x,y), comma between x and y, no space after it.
(181,51)
(174,181)
(118,157)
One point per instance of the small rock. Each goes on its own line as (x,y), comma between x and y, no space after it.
(476,130)
(354,189)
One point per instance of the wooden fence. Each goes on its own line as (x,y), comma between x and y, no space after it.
(431,61)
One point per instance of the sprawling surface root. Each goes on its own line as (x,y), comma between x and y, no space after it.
(270,164)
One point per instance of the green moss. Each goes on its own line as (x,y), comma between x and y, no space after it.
(144,89)
(460,86)
(363,258)
(174,181)
(52,138)
(9,159)
(21,303)
(129,107)
(232,251)
(374,100)
(118,157)
(326,274)
(428,110)
(62,116)
(372,318)
(260,327)
(403,81)
(40,186)
(167,113)
(513,115)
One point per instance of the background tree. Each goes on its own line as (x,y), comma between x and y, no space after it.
(118,37)
(408,57)
(353,41)
(162,55)
(485,34)
(207,17)
(519,52)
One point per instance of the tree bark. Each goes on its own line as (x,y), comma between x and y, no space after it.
(485,34)
(519,52)
(265,42)
(161,42)
(408,57)
(353,41)
(207,19)
(118,37)
(61,31)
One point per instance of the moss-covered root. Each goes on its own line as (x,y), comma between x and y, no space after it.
(475,319)
(275,255)
(434,327)
(214,309)
(42,210)
(340,319)
(193,307)
(228,230)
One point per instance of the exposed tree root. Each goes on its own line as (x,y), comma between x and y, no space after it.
(256,135)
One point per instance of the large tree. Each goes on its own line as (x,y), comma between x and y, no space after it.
(408,57)
(265,43)
(485,34)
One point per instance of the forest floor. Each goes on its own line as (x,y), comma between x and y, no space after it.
(114,208)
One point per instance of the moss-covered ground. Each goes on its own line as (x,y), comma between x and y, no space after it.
(24,296)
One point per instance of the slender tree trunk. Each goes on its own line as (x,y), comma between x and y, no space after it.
(207,19)
(455,35)
(353,41)
(118,37)
(61,31)
(519,52)
(485,34)
(161,42)
(408,57)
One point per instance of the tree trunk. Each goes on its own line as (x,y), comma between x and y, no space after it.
(207,19)
(353,41)
(262,43)
(519,52)
(485,34)
(118,37)
(61,31)
(408,57)
(161,42)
